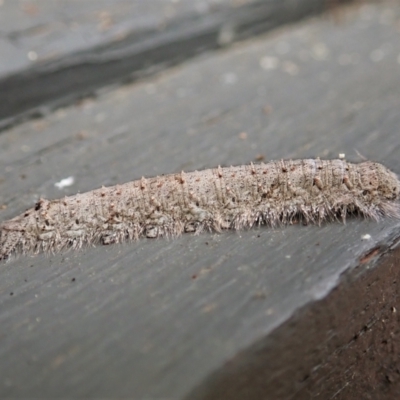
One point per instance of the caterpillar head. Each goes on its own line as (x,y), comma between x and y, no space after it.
(377,178)
(389,183)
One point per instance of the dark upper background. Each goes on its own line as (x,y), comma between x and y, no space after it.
(59,50)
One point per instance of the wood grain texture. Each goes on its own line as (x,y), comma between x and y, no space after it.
(155,319)
(58,52)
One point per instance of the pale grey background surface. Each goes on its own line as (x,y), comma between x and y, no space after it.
(153,319)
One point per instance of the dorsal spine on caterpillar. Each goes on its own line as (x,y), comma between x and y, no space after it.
(275,193)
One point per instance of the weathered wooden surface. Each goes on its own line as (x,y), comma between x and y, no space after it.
(342,347)
(159,318)
(55,52)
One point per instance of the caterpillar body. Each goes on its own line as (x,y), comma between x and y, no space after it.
(276,193)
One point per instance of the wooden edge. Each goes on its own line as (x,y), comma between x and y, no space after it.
(342,347)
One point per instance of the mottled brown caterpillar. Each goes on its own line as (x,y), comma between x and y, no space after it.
(276,193)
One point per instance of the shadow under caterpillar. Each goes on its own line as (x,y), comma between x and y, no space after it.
(276,193)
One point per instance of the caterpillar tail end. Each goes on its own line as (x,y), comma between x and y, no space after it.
(9,241)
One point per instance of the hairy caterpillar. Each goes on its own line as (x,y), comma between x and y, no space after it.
(275,193)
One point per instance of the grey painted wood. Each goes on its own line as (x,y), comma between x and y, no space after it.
(56,52)
(156,318)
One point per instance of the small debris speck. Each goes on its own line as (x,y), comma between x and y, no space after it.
(260,157)
(290,68)
(32,56)
(229,78)
(267,110)
(269,63)
(377,55)
(65,182)
(320,52)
